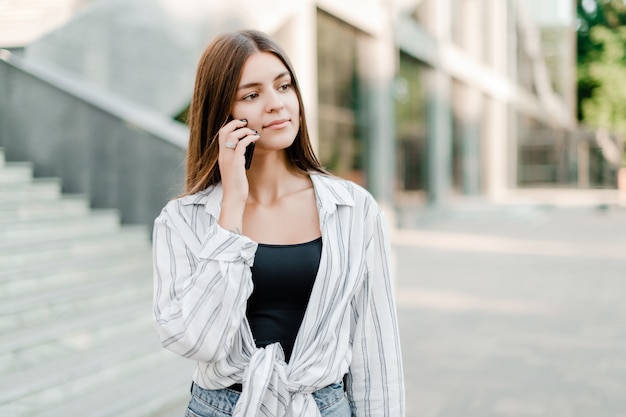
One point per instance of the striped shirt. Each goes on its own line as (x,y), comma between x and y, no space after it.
(202,281)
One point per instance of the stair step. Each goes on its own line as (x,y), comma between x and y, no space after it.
(16,173)
(40,189)
(14,254)
(176,405)
(31,310)
(36,344)
(169,377)
(62,295)
(67,205)
(97,222)
(22,382)
(172,384)
(46,276)
(76,334)
(115,390)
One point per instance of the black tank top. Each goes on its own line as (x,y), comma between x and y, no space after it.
(283,277)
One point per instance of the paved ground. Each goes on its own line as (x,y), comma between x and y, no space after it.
(514,312)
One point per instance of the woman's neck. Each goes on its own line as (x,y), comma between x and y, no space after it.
(270,178)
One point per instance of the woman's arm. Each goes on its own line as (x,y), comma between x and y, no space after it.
(375,383)
(201,285)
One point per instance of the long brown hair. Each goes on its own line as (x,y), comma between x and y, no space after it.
(217,79)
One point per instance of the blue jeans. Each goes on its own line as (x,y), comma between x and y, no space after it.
(331,401)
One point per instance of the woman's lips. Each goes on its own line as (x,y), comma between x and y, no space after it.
(277,124)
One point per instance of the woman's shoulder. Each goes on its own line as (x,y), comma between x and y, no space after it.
(201,197)
(210,196)
(342,189)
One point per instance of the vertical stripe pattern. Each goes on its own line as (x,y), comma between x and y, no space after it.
(202,281)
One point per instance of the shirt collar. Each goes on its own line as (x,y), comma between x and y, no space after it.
(210,198)
(330,191)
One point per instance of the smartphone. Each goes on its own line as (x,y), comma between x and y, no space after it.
(249,150)
(248,154)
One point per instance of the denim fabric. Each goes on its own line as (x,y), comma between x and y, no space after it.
(331,401)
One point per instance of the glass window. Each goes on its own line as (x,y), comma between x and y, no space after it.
(340,144)
(536,152)
(410,125)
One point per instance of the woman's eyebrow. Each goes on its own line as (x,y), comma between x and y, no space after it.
(255,84)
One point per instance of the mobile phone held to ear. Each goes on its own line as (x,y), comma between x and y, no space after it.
(249,149)
(248,154)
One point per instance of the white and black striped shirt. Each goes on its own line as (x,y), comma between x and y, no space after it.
(202,281)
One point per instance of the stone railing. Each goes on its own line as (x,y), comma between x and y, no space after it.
(121,155)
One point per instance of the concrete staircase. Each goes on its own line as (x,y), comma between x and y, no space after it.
(76,335)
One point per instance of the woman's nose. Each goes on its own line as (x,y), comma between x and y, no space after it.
(274,101)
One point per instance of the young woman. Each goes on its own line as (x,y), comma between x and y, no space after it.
(275,279)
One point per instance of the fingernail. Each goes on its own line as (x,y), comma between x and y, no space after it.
(244,120)
(255,132)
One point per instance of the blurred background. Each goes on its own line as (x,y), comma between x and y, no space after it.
(491,131)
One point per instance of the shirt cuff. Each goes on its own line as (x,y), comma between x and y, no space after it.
(223,245)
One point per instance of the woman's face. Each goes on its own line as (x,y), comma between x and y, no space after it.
(267,99)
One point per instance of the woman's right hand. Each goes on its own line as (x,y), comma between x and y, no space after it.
(233,138)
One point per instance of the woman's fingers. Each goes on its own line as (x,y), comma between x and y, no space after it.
(235,135)
(239,144)
(227,132)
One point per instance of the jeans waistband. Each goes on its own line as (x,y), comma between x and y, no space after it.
(324,396)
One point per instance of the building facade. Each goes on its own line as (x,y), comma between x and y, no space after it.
(420,101)
(425,101)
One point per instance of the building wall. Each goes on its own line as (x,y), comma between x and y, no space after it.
(419,101)
(135,48)
(483,69)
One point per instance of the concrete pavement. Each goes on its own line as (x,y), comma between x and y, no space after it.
(516,312)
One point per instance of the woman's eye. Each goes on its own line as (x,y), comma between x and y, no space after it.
(284,87)
(250,96)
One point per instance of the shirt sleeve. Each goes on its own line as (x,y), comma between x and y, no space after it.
(201,286)
(375,383)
